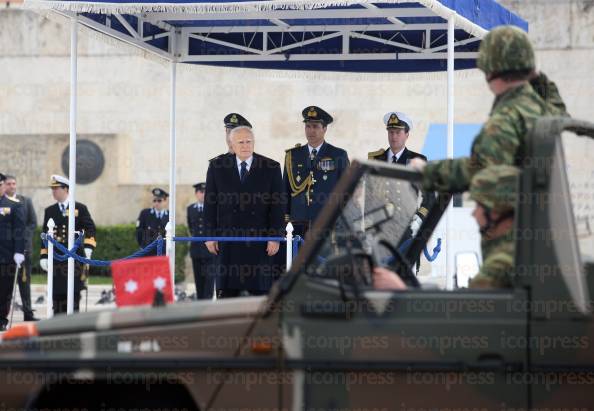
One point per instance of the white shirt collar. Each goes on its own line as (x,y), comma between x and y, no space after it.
(310,148)
(64,203)
(398,154)
(198,205)
(248,161)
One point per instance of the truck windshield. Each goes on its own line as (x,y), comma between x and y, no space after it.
(580,177)
(381,207)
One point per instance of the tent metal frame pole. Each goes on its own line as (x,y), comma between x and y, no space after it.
(72,157)
(450,143)
(172,159)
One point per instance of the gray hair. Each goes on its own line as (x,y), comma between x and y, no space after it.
(239,128)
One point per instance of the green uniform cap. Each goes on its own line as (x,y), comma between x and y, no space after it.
(505,49)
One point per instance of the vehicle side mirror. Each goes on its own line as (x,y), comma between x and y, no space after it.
(467,266)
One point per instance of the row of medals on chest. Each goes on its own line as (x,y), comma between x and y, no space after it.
(325,165)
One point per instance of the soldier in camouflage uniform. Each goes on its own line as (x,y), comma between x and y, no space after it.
(494,190)
(521,97)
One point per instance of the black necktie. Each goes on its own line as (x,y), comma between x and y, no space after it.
(394,159)
(200,208)
(62,208)
(312,156)
(243,171)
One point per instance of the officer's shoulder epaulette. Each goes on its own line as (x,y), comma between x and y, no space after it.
(14,199)
(292,148)
(373,154)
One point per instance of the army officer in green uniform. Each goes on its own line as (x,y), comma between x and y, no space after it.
(311,171)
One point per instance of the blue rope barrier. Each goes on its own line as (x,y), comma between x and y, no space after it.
(406,244)
(297,240)
(228,239)
(436,251)
(158,242)
(63,257)
(159,246)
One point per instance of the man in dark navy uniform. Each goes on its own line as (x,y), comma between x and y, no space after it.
(24,277)
(202,259)
(152,221)
(12,248)
(82,221)
(311,171)
(399,125)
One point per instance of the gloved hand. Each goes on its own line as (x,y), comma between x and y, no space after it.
(417,164)
(43,264)
(415,225)
(18,259)
(88,253)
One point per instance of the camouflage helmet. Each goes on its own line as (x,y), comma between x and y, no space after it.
(505,49)
(495,188)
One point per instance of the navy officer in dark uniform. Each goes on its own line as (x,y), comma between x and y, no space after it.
(12,249)
(202,259)
(311,171)
(152,221)
(399,125)
(82,221)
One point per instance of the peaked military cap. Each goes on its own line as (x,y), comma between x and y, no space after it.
(59,181)
(314,113)
(199,187)
(160,193)
(233,120)
(397,119)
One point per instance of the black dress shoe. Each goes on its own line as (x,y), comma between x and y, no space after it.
(30,317)
(3,324)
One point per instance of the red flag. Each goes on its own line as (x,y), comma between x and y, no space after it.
(136,281)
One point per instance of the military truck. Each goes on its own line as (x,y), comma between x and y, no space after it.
(324,339)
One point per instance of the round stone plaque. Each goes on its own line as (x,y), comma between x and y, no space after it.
(89,161)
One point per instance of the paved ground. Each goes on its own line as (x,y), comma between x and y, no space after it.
(92,302)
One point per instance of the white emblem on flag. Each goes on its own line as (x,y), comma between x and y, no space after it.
(131,286)
(159,283)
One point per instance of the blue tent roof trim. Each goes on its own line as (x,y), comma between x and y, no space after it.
(326,35)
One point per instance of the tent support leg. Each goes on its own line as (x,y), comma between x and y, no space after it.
(450,146)
(72,157)
(172,159)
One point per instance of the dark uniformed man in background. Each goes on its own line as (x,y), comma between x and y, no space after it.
(202,259)
(399,125)
(12,248)
(82,222)
(152,221)
(24,278)
(311,171)
(231,121)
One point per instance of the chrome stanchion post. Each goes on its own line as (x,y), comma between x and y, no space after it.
(289,237)
(51,225)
